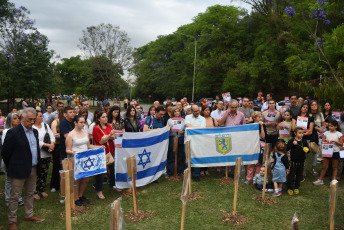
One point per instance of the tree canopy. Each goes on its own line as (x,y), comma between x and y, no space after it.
(244,53)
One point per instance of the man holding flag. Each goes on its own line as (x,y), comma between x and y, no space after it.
(195,120)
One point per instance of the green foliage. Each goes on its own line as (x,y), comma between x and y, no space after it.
(242,53)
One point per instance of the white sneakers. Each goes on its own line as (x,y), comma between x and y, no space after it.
(318,182)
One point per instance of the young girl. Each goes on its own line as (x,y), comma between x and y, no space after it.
(279,166)
(286,123)
(334,136)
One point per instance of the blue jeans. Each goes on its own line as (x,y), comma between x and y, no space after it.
(171,157)
(98,185)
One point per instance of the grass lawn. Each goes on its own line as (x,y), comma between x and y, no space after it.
(163,199)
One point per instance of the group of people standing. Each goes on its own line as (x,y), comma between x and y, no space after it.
(31,140)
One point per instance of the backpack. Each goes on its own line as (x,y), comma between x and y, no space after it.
(143,121)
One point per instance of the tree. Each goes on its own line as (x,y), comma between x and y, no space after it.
(32,68)
(25,56)
(109,41)
(109,52)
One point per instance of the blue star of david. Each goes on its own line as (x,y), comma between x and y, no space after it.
(145,153)
(88,163)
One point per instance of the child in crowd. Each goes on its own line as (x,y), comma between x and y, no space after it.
(298,149)
(258,181)
(279,166)
(334,136)
(287,122)
(257,118)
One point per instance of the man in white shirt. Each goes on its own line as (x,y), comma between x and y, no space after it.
(216,114)
(195,120)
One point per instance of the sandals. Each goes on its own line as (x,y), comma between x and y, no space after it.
(101,196)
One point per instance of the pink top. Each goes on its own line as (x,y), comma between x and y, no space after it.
(2,122)
(237,119)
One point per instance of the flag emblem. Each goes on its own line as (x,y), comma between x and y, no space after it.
(223,143)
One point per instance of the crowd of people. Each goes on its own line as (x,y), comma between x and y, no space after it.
(32,139)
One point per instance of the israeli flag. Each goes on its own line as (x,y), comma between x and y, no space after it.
(221,146)
(150,151)
(89,163)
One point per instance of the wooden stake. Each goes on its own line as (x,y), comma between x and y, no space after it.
(68,164)
(266,157)
(131,173)
(189,164)
(236,182)
(67,201)
(226,173)
(333,203)
(175,148)
(115,215)
(184,197)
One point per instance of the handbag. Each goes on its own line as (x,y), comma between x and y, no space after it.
(313,147)
(108,156)
(46,138)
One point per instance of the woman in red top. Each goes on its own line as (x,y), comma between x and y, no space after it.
(103,135)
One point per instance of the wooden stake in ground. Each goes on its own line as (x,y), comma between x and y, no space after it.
(67,200)
(175,148)
(184,196)
(68,164)
(189,164)
(131,166)
(226,173)
(116,221)
(333,202)
(266,158)
(236,182)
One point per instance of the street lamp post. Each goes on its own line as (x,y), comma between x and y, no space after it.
(194,73)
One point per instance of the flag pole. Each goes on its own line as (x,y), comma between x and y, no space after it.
(189,164)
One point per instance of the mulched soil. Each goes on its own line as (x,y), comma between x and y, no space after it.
(177,178)
(128,193)
(266,200)
(194,196)
(78,211)
(224,180)
(339,227)
(233,220)
(140,215)
(2,194)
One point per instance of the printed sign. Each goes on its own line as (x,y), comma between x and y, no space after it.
(118,138)
(177,124)
(327,149)
(226,97)
(284,131)
(336,116)
(302,122)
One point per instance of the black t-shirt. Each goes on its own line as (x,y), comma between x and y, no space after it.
(296,151)
(65,127)
(310,120)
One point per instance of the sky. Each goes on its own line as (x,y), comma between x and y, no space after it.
(143,20)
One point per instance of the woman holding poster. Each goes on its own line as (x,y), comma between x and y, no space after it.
(78,141)
(103,135)
(304,121)
(332,140)
(319,126)
(177,124)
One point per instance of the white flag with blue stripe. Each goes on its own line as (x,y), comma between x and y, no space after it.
(89,163)
(221,146)
(150,151)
